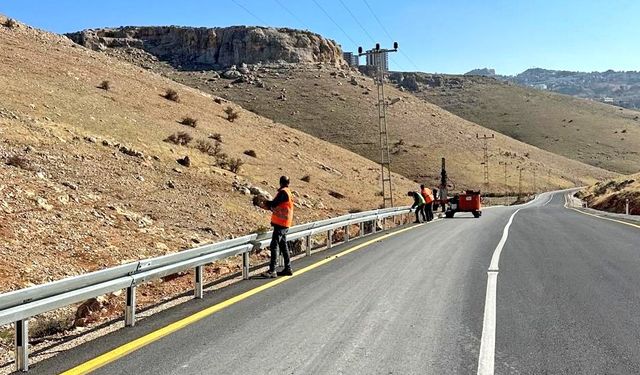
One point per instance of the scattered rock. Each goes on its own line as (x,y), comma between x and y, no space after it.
(185,161)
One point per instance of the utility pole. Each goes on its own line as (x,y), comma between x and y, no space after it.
(443,186)
(519,184)
(506,186)
(385,159)
(485,162)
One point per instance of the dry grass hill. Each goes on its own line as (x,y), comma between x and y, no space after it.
(338,106)
(89,180)
(591,132)
(611,195)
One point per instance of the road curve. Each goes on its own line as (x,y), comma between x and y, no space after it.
(414,303)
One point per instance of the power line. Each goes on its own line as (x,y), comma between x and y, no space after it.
(357,21)
(377,19)
(388,34)
(292,14)
(335,23)
(366,32)
(250,13)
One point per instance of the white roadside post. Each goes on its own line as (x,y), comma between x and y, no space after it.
(197,287)
(22,345)
(130,308)
(245,265)
(308,245)
(329,238)
(626,206)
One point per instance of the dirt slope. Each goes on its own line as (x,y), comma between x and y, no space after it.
(323,102)
(611,195)
(591,132)
(88,182)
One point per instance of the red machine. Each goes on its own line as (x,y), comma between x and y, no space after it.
(469,201)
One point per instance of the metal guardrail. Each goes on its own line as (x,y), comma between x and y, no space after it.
(18,306)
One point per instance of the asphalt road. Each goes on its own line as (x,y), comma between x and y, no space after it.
(567,302)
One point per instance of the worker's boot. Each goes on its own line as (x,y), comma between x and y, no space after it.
(286,272)
(269,274)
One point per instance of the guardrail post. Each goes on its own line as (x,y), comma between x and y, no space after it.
(197,285)
(245,265)
(362,229)
(374,229)
(308,245)
(130,309)
(329,238)
(346,233)
(22,345)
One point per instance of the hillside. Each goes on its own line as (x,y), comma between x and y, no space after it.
(594,133)
(611,195)
(88,180)
(621,88)
(338,106)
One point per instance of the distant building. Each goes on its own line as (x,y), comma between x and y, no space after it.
(608,100)
(379,60)
(539,86)
(351,58)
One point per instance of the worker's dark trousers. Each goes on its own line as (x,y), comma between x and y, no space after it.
(428,211)
(420,211)
(279,240)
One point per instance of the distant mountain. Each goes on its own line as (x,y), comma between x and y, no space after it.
(481,72)
(618,88)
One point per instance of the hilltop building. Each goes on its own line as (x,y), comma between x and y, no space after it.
(378,60)
(351,58)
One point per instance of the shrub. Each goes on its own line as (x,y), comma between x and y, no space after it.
(251,153)
(207,147)
(232,114)
(189,121)
(216,136)
(180,138)
(222,160)
(172,95)
(19,162)
(235,165)
(306,178)
(105,85)
(10,23)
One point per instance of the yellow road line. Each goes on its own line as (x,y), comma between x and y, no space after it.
(147,339)
(606,218)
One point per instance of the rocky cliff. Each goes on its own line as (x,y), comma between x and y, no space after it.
(194,48)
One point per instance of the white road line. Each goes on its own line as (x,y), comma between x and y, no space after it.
(486,359)
(549,201)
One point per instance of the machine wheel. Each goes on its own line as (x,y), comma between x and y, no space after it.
(449,214)
(477,214)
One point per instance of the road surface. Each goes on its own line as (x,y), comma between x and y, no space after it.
(563,297)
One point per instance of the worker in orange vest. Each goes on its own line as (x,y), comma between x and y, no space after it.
(427,194)
(281,220)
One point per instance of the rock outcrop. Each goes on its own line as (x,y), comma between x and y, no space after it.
(194,48)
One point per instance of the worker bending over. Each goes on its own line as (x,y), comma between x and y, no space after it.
(418,205)
(281,220)
(427,194)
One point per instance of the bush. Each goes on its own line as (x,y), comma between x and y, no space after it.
(10,23)
(19,162)
(251,153)
(189,121)
(172,95)
(232,114)
(235,165)
(306,178)
(206,147)
(105,85)
(180,138)
(216,136)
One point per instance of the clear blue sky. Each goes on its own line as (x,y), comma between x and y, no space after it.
(435,36)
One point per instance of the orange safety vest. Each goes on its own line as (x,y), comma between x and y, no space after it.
(427,194)
(283,213)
